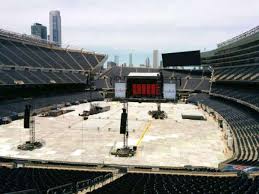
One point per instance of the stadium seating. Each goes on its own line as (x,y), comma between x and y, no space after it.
(91,58)
(244,124)
(14,77)
(20,179)
(159,184)
(190,79)
(29,54)
(235,84)
(41,68)
(243,52)
(27,61)
(13,108)
(240,93)
(235,65)
(245,74)
(82,60)
(196,84)
(104,83)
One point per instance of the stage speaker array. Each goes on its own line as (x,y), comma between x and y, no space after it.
(123,121)
(27,115)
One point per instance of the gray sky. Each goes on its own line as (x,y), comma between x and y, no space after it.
(138,26)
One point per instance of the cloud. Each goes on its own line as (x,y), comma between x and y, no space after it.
(139,25)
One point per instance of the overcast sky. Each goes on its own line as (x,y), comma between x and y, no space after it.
(138,26)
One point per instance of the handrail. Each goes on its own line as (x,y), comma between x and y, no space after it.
(43,42)
(27,37)
(84,184)
(239,37)
(91,183)
(28,191)
(65,189)
(107,176)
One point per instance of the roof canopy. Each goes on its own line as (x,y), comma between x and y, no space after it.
(146,75)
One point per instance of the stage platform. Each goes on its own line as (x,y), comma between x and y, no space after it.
(171,142)
(193,115)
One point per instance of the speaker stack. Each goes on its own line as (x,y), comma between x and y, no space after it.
(123,126)
(31,144)
(125,151)
(27,115)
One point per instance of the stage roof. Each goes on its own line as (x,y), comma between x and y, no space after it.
(142,74)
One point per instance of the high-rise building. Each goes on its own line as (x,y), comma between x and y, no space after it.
(55,26)
(130,60)
(147,62)
(116,59)
(155,59)
(39,31)
(161,64)
(110,64)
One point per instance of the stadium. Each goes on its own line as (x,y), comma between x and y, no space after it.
(62,123)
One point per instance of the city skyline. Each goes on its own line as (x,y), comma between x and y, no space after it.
(175,27)
(130,57)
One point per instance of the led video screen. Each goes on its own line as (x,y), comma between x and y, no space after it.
(120,90)
(188,58)
(145,90)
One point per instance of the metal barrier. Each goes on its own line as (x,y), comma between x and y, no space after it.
(99,180)
(81,185)
(107,176)
(29,191)
(64,189)
(27,38)
(95,181)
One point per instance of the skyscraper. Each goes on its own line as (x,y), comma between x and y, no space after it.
(110,64)
(161,64)
(55,26)
(39,31)
(130,60)
(147,62)
(116,59)
(155,59)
